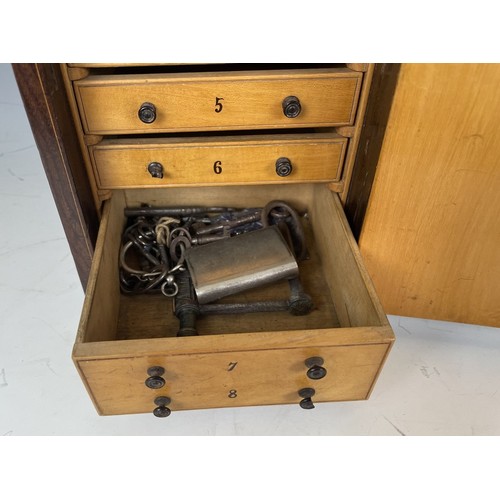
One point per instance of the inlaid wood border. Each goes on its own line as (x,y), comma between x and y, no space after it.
(45,100)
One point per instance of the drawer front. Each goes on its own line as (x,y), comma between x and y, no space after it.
(216,101)
(134,164)
(233,379)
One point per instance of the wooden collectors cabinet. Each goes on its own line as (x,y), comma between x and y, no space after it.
(217,132)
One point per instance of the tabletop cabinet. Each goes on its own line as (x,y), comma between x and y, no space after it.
(219,134)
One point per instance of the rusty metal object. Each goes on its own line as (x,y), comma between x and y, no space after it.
(279,210)
(240,263)
(239,249)
(147,239)
(225,225)
(186,306)
(244,307)
(298,304)
(147,211)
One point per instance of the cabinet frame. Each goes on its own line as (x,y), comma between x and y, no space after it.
(43,92)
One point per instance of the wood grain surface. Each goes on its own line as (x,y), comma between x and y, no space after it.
(431,238)
(223,160)
(120,337)
(217,101)
(231,379)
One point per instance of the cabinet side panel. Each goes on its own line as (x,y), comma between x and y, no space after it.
(431,236)
(46,104)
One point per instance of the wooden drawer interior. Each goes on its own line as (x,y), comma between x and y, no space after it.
(333,275)
(123,335)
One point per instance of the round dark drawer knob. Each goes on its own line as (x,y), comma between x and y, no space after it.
(291,106)
(316,370)
(162,410)
(155,382)
(306,394)
(156,371)
(147,112)
(283,167)
(156,170)
(155,379)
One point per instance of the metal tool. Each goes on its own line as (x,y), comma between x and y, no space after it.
(186,306)
(147,211)
(197,255)
(240,263)
(148,240)
(225,225)
(280,210)
(298,304)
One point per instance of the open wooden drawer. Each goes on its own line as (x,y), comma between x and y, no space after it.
(236,360)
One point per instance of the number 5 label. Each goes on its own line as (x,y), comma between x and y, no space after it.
(218,104)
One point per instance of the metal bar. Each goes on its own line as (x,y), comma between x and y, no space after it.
(173,211)
(243,308)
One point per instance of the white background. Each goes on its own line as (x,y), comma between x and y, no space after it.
(441,379)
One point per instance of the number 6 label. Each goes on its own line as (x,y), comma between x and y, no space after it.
(218,167)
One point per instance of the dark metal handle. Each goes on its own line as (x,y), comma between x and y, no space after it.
(155,379)
(161,409)
(156,169)
(306,394)
(291,106)
(316,370)
(147,112)
(283,167)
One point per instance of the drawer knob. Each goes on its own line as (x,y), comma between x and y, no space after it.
(291,106)
(155,379)
(156,170)
(155,382)
(306,394)
(147,112)
(316,370)
(161,409)
(283,167)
